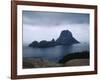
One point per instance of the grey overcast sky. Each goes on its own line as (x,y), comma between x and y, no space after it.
(47,25)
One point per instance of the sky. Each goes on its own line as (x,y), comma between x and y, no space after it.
(47,25)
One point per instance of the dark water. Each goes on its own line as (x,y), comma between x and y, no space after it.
(54,53)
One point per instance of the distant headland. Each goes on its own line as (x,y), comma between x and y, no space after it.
(65,38)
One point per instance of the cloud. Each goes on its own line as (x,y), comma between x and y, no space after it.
(79,31)
(49,19)
(47,25)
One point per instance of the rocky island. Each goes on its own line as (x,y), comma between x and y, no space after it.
(65,38)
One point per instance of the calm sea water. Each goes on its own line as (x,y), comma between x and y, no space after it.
(54,53)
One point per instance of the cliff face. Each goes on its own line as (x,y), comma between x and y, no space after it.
(65,38)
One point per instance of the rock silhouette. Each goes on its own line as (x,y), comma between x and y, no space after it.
(65,38)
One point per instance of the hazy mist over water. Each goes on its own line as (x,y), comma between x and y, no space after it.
(47,25)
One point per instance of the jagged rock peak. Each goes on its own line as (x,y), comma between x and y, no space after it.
(65,33)
(66,38)
(53,40)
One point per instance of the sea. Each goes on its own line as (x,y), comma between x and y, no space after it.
(53,53)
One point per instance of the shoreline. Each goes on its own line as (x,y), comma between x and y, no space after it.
(74,59)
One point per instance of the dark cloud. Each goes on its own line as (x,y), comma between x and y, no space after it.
(53,18)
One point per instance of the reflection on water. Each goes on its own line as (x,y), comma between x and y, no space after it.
(54,53)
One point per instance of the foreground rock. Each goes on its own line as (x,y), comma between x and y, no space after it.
(77,55)
(65,38)
(77,62)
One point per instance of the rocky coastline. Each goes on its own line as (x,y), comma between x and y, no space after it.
(72,59)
